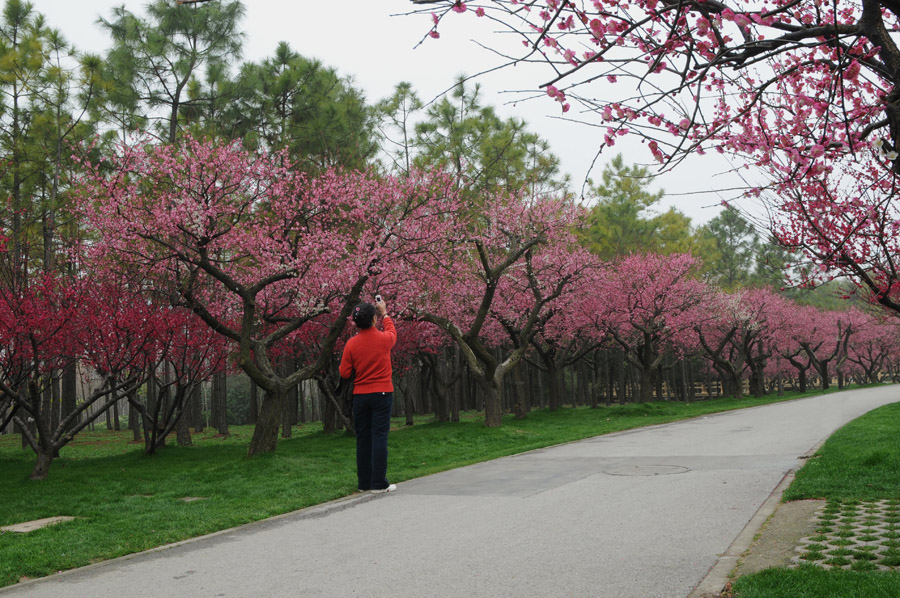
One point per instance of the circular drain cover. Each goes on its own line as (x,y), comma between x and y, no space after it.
(636,470)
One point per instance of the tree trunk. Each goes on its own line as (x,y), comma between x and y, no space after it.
(47,398)
(117,426)
(254,402)
(738,387)
(610,378)
(329,413)
(658,380)
(420,384)
(196,402)
(823,372)
(55,401)
(520,401)
(301,401)
(440,390)
(801,382)
(182,429)
(493,412)
(454,404)
(265,434)
(42,466)
(286,418)
(218,404)
(69,389)
(134,418)
(555,386)
(645,385)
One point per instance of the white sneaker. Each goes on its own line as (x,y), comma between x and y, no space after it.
(390,488)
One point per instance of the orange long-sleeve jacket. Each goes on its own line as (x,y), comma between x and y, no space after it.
(368,356)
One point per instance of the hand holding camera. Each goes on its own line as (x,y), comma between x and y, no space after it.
(380,307)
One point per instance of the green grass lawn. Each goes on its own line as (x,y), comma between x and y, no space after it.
(860,462)
(126,502)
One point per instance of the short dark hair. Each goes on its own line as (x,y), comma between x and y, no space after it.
(363,314)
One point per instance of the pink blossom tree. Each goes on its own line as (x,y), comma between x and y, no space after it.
(825,342)
(803,92)
(873,342)
(648,304)
(496,281)
(739,337)
(785,357)
(557,276)
(566,333)
(256,249)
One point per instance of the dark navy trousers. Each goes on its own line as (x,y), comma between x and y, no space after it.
(372,418)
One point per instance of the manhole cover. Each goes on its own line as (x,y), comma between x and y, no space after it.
(636,470)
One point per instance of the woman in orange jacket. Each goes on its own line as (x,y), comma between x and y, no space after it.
(367,358)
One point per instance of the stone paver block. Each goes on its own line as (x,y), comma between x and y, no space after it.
(30,526)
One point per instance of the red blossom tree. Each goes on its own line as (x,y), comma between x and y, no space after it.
(185,353)
(47,323)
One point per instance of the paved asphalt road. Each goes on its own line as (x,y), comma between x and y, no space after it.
(640,514)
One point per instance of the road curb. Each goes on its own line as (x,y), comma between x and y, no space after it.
(712,585)
(715,581)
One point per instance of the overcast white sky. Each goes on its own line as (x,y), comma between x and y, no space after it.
(363,39)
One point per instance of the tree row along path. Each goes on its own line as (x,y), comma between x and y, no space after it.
(640,514)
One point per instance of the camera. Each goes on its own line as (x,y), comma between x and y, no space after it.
(377,298)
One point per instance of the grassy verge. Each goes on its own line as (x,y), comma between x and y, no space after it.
(126,502)
(858,463)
